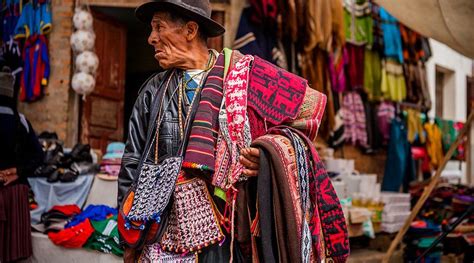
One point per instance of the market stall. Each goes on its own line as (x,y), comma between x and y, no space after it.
(380,135)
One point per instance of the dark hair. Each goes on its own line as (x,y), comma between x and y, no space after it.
(202,35)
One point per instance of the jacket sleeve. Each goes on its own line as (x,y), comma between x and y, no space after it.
(136,139)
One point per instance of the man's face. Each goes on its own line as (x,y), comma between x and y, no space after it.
(168,39)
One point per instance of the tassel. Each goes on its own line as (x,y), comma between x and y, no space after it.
(232,221)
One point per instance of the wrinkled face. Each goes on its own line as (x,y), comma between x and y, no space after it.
(169,39)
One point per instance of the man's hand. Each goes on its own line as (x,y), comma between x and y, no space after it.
(8,176)
(250,159)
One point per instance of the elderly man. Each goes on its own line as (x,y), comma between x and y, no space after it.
(188,176)
(179,32)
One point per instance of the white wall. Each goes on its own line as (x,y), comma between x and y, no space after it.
(455,91)
(443,56)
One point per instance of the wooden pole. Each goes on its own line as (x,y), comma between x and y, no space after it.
(428,189)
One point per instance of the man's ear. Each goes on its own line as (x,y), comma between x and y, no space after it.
(192,29)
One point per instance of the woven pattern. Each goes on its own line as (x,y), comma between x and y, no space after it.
(310,114)
(303,172)
(154,254)
(203,137)
(154,189)
(193,224)
(275,93)
(234,129)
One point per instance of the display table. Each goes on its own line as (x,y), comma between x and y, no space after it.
(48,195)
(45,251)
(103,193)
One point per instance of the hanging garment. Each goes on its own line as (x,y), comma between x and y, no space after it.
(378,44)
(416,48)
(372,75)
(358,22)
(337,138)
(355,70)
(449,130)
(393,82)
(313,68)
(374,137)
(385,115)
(338,61)
(35,19)
(354,119)
(399,167)
(391,35)
(253,38)
(264,11)
(415,127)
(36,68)
(416,85)
(434,144)
(324,25)
(10,15)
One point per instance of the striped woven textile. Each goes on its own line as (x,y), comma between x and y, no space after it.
(202,139)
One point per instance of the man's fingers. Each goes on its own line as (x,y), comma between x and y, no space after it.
(253,154)
(250,173)
(248,163)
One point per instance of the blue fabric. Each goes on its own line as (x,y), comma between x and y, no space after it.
(391,36)
(400,167)
(191,86)
(44,18)
(25,24)
(35,19)
(253,39)
(93,212)
(9,23)
(48,195)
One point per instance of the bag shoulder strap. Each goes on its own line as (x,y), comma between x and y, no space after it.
(152,120)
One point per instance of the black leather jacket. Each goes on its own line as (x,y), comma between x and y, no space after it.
(168,139)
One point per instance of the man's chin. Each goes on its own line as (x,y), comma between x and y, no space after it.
(164,65)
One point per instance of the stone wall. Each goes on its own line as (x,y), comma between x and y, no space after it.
(53,112)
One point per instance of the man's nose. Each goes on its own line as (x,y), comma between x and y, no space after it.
(153,38)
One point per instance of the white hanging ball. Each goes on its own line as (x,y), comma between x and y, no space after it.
(82,19)
(87,62)
(83,83)
(82,40)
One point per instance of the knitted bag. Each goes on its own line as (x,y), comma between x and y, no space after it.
(193,223)
(147,200)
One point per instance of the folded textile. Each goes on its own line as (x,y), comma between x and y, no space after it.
(275,93)
(105,237)
(73,237)
(327,225)
(93,212)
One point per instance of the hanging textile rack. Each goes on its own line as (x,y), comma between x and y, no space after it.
(428,189)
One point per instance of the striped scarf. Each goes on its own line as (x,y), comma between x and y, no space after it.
(202,140)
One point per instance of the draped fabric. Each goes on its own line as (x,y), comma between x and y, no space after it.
(323,215)
(202,140)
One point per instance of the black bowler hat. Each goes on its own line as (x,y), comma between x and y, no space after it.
(196,10)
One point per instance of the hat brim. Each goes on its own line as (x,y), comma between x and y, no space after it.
(146,11)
